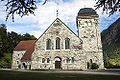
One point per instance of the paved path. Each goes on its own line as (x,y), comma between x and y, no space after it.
(101,72)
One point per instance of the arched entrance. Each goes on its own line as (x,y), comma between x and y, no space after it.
(57,63)
(24,66)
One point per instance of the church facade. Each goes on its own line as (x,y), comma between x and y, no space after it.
(60,48)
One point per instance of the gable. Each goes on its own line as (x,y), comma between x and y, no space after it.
(56,25)
(56,30)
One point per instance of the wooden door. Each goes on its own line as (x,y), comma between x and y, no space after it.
(57,64)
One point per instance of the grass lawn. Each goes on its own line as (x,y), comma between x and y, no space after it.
(14,75)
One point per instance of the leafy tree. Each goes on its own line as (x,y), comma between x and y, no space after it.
(6,60)
(1,53)
(27,36)
(26,7)
(20,7)
(110,6)
(13,39)
(3,39)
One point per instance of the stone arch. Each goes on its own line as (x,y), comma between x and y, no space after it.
(58,57)
(24,65)
(58,61)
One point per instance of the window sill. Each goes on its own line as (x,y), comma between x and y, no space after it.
(67,49)
(47,50)
(58,50)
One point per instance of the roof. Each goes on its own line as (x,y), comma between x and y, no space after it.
(62,23)
(28,46)
(86,12)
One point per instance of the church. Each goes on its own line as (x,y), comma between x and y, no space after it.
(60,48)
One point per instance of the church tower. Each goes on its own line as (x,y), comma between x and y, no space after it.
(89,32)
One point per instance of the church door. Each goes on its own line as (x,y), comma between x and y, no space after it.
(57,64)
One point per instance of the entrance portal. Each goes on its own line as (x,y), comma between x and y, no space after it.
(24,66)
(57,64)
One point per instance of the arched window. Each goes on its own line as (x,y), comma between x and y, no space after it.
(67,43)
(48,44)
(90,60)
(67,60)
(17,62)
(57,43)
(73,59)
(43,60)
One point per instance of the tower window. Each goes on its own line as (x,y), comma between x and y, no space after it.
(43,60)
(48,44)
(90,60)
(73,59)
(57,43)
(67,43)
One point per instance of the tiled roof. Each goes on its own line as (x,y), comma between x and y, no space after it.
(28,46)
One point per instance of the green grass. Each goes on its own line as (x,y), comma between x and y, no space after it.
(15,75)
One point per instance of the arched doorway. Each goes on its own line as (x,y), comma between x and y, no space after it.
(57,63)
(24,66)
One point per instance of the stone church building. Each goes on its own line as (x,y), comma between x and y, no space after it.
(60,48)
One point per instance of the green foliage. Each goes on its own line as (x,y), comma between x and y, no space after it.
(88,65)
(3,40)
(7,59)
(114,63)
(94,66)
(111,53)
(27,36)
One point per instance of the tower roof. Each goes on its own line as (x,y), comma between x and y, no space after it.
(87,12)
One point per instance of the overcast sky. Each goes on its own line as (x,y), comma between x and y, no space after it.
(46,14)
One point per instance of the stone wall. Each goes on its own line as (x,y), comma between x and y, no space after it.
(89,32)
(83,49)
(16,58)
(58,29)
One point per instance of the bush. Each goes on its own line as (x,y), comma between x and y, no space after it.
(94,66)
(88,65)
(6,60)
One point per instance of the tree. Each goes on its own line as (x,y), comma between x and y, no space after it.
(20,7)
(26,7)
(3,39)
(1,53)
(13,40)
(110,6)
(27,36)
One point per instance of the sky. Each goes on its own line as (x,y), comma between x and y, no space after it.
(46,14)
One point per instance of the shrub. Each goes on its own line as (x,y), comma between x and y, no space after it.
(88,65)
(94,66)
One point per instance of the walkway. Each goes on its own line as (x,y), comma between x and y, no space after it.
(102,72)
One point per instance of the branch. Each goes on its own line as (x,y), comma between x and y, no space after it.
(110,6)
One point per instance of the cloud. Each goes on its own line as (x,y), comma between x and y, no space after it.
(46,14)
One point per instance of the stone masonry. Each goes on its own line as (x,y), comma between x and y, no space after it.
(83,48)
